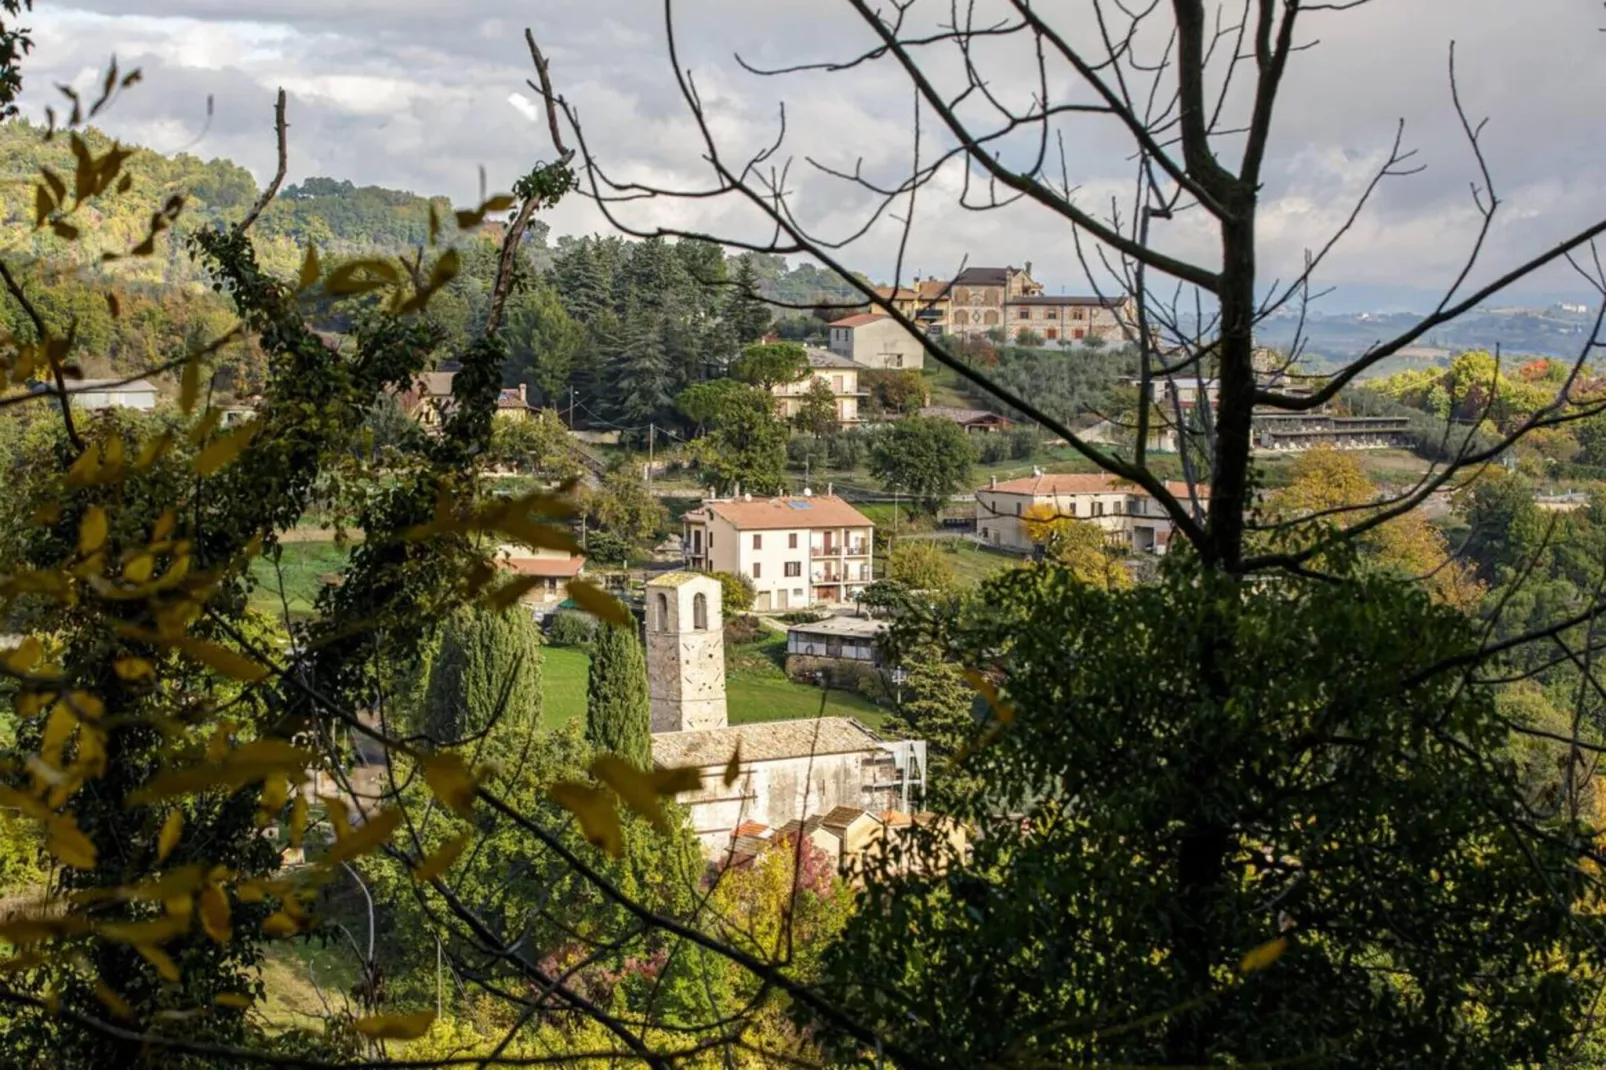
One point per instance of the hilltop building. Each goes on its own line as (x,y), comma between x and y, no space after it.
(876,341)
(1124,510)
(837,372)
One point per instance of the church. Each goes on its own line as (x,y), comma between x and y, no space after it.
(787,770)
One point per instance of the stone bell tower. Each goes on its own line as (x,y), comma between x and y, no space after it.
(685,652)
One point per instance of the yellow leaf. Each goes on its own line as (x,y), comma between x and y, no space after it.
(509,593)
(221,659)
(172,829)
(733,768)
(165,966)
(599,821)
(92,750)
(164,525)
(310,270)
(237,1000)
(223,449)
(532,533)
(448,777)
(133,668)
(70,846)
(58,729)
(442,859)
(632,785)
(335,810)
(189,389)
(24,656)
(43,205)
(1264,955)
(115,1003)
(64,230)
(215,913)
(25,961)
(361,276)
(984,686)
(152,452)
(29,805)
(86,469)
(599,603)
(92,530)
(365,837)
(280,924)
(155,931)
(671,782)
(395,1026)
(139,568)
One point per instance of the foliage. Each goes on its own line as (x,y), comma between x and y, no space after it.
(736,592)
(747,441)
(537,444)
(1295,768)
(934,703)
(567,628)
(617,718)
(749,316)
(923,457)
(624,508)
(1081,547)
(816,415)
(544,341)
(488,669)
(768,365)
(920,565)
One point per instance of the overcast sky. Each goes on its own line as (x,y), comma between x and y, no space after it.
(418,94)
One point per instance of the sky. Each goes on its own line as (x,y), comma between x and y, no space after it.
(421,94)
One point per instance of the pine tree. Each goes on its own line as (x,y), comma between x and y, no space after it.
(483,656)
(582,279)
(749,316)
(618,719)
(639,379)
(936,702)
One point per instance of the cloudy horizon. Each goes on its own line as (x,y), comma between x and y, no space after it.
(418,95)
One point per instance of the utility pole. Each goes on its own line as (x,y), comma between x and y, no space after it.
(571,408)
(652,431)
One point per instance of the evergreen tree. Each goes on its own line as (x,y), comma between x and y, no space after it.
(582,279)
(747,313)
(483,657)
(638,375)
(617,715)
(544,341)
(935,702)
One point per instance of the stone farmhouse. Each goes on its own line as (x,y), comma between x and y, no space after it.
(797,550)
(1127,512)
(980,299)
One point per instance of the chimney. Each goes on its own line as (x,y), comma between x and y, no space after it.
(828,490)
(993,485)
(737,492)
(1038,472)
(523,399)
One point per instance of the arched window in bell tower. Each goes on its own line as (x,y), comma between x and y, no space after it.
(663,612)
(699,612)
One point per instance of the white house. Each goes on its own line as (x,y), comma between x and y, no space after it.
(798,551)
(97,394)
(1124,510)
(838,373)
(876,341)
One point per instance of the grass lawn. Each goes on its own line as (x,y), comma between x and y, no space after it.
(299,977)
(972,564)
(303,565)
(756,688)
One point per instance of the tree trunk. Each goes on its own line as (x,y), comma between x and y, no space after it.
(1229,486)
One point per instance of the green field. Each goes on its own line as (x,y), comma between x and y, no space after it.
(756,689)
(302,566)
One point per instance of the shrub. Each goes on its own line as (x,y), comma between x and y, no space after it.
(742,629)
(736,593)
(570,629)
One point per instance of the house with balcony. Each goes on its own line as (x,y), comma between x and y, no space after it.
(838,373)
(1126,512)
(926,302)
(798,551)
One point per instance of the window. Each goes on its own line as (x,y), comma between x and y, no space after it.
(1051,313)
(1051,334)
(1078,333)
(797,592)
(758,542)
(758,570)
(699,612)
(1098,508)
(1076,313)
(791,541)
(1025,313)
(1017,508)
(794,568)
(1117,508)
(663,612)
(984,534)
(836,383)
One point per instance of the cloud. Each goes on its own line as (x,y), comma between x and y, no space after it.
(418,94)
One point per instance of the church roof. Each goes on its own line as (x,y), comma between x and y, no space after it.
(676,579)
(766,742)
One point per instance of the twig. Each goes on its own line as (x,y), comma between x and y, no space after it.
(272,191)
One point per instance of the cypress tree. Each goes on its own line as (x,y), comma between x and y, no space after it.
(617,715)
(483,655)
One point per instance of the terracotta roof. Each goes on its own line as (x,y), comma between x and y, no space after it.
(824,358)
(751,828)
(763,742)
(546,566)
(902,293)
(860,319)
(962,416)
(511,398)
(762,514)
(748,845)
(1084,483)
(790,828)
(933,288)
(842,816)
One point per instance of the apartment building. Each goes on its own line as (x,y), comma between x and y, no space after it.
(1124,510)
(926,302)
(876,341)
(1068,319)
(797,550)
(835,371)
